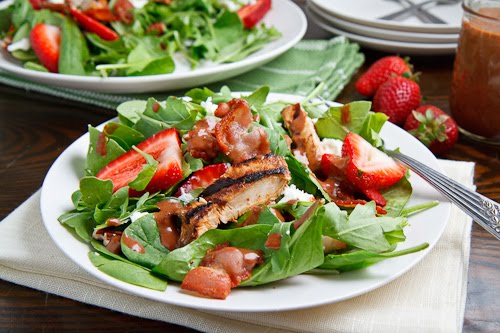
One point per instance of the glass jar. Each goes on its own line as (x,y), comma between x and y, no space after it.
(475,87)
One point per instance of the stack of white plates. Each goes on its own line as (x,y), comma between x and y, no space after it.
(361,21)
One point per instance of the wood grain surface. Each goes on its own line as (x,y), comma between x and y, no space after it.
(35,129)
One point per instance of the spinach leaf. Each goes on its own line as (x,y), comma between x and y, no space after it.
(362,258)
(397,197)
(144,231)
(362,228)
(122,134)
(126,272)
(96,160)
(73,49)
(305,252)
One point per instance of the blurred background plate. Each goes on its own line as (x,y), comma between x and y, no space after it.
(384,44)
(389,34)
(368,12)
(284,15)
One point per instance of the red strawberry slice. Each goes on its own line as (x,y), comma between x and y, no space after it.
(45,41)
(251,14)
(368,167)
(203,178)
(165,147)
(92,25)
(374,194)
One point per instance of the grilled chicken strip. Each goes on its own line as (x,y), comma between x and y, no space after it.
(256,181)
(303,133)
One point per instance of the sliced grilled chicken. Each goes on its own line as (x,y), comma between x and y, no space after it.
(256,181)
(303,133)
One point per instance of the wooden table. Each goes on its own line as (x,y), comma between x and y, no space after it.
(35,129)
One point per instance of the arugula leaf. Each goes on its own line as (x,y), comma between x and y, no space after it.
(122,134)
(303,178)
(81,222)
(148,171)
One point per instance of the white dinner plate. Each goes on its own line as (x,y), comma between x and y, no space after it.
(294,293)
(389,34)
(284,15)
(385,45)
(367,12)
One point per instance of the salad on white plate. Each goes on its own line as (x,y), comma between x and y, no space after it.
(132,37)
(215,192)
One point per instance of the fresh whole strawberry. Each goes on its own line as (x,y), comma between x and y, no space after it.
(381,71)
(433,127)
(45,41)
(397,98)
(369,168)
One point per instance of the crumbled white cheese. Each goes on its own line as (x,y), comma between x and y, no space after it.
(57,2)
(186,197)
(139,3)
(137,215)
(301,157)
(329,146)
(292,193)
(235,5)
(186,99)
(22,44)
(209,106)
(182,65)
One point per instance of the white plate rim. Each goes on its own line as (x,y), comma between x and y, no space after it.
(388,45)
(173,81)
(389,34)
(430,28)
(374,276)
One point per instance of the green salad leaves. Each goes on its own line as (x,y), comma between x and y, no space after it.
(367,236)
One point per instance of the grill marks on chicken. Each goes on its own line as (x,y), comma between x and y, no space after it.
(257,181)
(303,133)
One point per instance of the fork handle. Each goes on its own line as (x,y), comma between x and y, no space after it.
(483,210)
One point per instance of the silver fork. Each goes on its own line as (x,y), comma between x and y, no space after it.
(484,211)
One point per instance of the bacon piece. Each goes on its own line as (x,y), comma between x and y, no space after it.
(354,202)
(303,133)
(236,137)
(201,140)
(222,268)
(208,281)
(238,263)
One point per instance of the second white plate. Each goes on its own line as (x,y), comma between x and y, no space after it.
(385,45)
(284,15)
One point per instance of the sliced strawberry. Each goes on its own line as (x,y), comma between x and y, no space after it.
(251,14)
(332,165)
(92,25)
(101,14)
(203,178)
(375,195)
(368,167)
(46,43)
(165,147)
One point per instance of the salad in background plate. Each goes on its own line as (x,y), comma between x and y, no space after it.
(217,192)
(132,38)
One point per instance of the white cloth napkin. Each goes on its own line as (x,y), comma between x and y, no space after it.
(429,298)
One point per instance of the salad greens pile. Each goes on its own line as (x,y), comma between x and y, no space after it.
(370,237)
(197,33)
